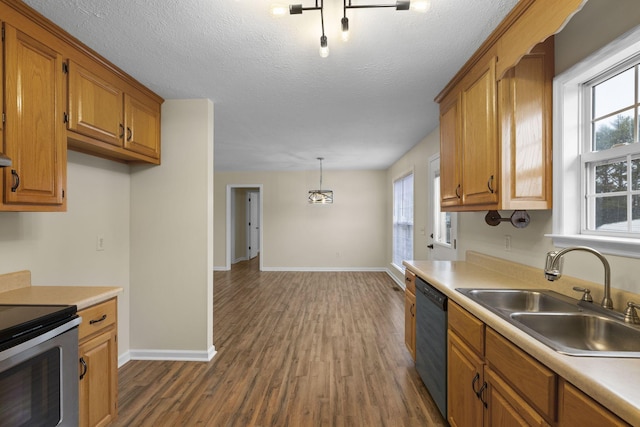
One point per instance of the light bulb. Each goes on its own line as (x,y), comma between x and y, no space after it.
(345,29)
(324,47)
(421,6)
(279,10)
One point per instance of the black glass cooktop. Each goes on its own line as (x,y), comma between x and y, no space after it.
(18,321)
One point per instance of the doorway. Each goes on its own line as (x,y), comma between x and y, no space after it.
(444,225)
(244,224)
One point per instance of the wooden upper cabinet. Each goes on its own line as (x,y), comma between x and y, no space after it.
(106,118)
(95,106)
(450,180)
(34,130)
(479,136)
(142,126)
(505,114)
(526,105)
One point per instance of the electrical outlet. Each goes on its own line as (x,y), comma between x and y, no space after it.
(507,243)
(99,242)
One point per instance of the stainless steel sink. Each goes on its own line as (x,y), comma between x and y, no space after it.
(566,325)
(582,334)
(527,300)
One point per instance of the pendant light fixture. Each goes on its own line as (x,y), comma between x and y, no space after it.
(320,196)
(297,9)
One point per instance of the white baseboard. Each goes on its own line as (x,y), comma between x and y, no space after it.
(322,269)
(174,355)
(220,268)
(123,359)
(395,279)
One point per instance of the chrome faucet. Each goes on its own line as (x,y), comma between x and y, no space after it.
(553,270)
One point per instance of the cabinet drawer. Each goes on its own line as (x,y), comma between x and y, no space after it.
(410,281)
(97,318)
(467,327)
(532,380)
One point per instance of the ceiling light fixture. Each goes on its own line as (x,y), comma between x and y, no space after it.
(320,196)
(297,9)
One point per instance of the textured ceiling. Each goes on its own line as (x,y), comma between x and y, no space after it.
(278,104)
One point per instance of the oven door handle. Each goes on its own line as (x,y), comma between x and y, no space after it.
(84,368)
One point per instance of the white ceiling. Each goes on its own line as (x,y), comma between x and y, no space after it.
(278,104)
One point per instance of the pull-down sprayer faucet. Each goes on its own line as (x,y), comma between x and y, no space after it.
(553,270)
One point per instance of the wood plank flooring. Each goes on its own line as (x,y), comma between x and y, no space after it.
(294,349)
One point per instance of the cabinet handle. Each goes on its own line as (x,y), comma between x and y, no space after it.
(458,191)
(84,368)
(481,395)
(490,184)
(92,321)
(16,180)
(129,134)
(411,310)
(430,246)
(473,384)
(121,130)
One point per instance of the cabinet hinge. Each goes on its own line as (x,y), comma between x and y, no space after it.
(65,68)
(4,117)
(65,118)
(63,193)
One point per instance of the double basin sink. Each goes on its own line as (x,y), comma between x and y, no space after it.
(568,326)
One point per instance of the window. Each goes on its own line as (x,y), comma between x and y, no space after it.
(596,150)
(402,220)
(612,178)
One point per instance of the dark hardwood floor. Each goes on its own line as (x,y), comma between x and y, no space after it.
(293,349)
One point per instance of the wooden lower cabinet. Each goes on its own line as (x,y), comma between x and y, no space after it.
(410,313)
(505,407)
(577,409)
(98,365)
(464,378)
(493,383)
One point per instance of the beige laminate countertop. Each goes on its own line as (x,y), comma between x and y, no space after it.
(614,382)
(81,296)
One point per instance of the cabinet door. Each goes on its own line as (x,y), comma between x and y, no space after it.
(95,106)
(525,112)
(97,392)
(464,379)
(142,122)
(450,182)
(410,322)
(577,409)
(479,137)
(504,407)
(34,133)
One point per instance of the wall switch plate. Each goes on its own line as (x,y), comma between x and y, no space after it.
(99,242)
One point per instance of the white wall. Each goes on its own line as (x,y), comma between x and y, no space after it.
(349,234)
(60,248)
(172,239)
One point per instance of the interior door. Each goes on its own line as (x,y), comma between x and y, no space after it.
(253,202)
(444,225)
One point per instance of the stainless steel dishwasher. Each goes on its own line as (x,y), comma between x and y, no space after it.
(431,341)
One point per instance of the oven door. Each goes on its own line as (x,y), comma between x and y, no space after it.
(39,379)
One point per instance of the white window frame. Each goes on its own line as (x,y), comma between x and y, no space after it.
(401,267)
(568,136)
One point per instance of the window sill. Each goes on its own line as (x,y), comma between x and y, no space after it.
(629,248)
